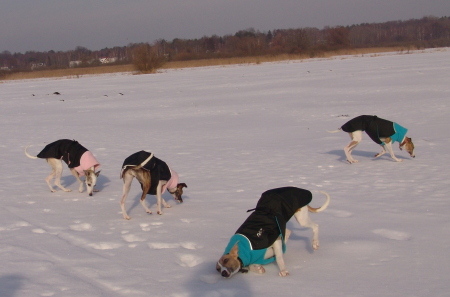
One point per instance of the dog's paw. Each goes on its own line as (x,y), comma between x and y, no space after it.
(315,245)
(67,190)
(352,161)
(126,217)
(398,160)
(167,206)
(149,211)
(283,273)
(257,269)
(159,212)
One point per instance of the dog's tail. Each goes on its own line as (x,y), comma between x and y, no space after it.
(323,207)
(28,155)
(334,131)
(135,167)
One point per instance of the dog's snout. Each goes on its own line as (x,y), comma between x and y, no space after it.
(225,273)
(90,194)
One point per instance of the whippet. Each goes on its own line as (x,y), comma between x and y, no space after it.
(381,131)
(262,238)
(155,177)
(80,161)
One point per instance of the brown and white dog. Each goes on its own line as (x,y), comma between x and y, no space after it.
(81,162)
(262,238)
(381,131)
(155,177)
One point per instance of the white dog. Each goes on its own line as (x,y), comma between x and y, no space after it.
(262,238)
(78,158)
(381,131)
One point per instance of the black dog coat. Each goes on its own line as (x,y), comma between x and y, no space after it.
(375,127)
(273,210)
(158,169)
(70,151)
(268,221)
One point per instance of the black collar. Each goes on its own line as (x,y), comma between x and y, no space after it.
(242,269)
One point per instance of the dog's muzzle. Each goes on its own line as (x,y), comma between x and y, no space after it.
(225,272)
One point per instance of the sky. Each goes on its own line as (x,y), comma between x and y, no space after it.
(43,25)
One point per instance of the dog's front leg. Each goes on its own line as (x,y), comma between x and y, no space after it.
(278,250)
(383,151)
(80,182)
(391,151)
(256,268)
(159,198)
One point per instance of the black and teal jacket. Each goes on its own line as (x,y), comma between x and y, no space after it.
(376,128)
(267,222)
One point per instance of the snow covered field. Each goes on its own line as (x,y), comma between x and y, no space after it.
(231,133)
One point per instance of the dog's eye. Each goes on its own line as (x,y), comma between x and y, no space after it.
(89,185)
(225,261)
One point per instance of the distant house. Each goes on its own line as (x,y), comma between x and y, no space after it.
(5,68)
(108,60)
(37,65)
(74,63)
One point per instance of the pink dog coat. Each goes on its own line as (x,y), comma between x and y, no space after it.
(171,183)
(86,162)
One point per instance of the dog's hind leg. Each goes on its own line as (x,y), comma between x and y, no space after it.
(356,139)
(302,217)
(49,178)
(144,178)
(57,168)
(127,179)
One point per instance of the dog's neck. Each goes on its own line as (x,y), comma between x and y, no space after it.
(242,269)
(403,142)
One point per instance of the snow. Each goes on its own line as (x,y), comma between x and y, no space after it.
(231,133)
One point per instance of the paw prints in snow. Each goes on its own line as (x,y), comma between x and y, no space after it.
(392,234)
(81,227)
(189,260)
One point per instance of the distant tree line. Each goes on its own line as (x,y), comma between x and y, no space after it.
(427,32)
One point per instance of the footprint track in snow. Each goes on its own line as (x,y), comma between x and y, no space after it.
(130,238)
(186,245)
(81,227)
(189,260)
(392,234)
(339,213)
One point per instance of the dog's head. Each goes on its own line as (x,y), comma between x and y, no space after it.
(408,145)
(178,192)
(90,180)
(230,264)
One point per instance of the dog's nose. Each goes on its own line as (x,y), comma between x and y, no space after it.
(225,273)
(90,194)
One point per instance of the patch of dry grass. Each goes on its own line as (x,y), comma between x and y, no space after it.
(78,72)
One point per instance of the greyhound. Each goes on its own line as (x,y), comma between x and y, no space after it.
(78,158)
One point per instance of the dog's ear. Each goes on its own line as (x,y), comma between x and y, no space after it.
(97,173)
(234,251)
(182,185)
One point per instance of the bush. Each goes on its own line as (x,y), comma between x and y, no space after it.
(146,60)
